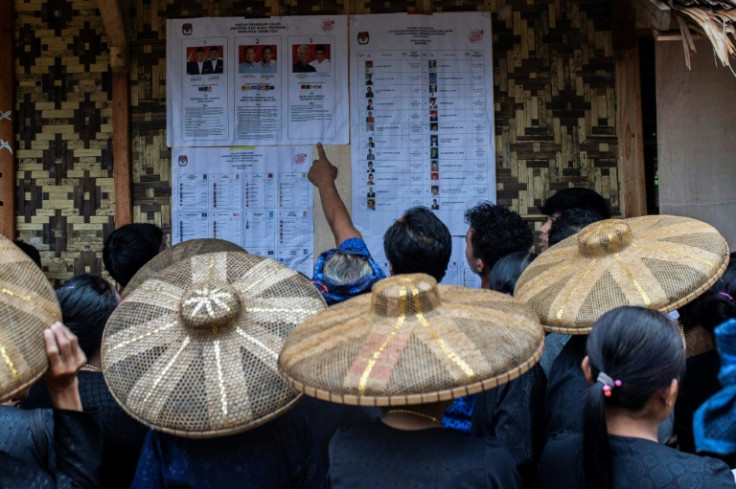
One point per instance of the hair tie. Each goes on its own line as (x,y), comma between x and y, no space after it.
(726,294)
(608,383)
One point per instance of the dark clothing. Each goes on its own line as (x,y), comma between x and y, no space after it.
(77,444)
(27,435)
(278,455)
(513,414)
(193,68)
(325,418)
(122,435)
(637,463)
(300,68)
(566,386)
(377,456)
(210,67)
(697,386)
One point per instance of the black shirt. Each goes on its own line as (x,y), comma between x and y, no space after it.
(377,456)
(637,463)
(566,386)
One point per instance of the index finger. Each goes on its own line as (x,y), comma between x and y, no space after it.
(321,151)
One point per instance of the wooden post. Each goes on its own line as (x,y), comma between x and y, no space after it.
(7,112)
(122,172)
(628,110)
(115,27)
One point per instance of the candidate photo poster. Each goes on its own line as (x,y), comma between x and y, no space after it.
(421,122)
(274,81)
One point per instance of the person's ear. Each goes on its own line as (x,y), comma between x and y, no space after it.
(390,269)
(669,396)
(585,365)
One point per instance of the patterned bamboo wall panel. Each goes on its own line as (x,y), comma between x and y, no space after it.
(63,119)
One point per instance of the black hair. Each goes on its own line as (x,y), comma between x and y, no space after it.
(498,231)
(571,221)
(507,270)
(708,311)
(266,47)
(644,350)
(567,198)
(320,47)
(30,251)
(214,48)
(727,282)
(418,242)
(129,247)
(86,303)
(200,50)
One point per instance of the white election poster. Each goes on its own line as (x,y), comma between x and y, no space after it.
(257,197)
(275,81)
(422,122)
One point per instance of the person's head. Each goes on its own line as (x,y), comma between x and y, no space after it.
(199,53)
(507,270)
(29,250)
(418,242)
(434,201)
(370,102)
(370,114)
(342,268)
(368,90)
(249,54)
(569,222)
(370,189)
(435,189)
(370,178)
(370,138)
(302,53)
(129,247)
(494,231)
(569,198)
(214,53)
(86,302)
(435,166)
(370,164)
(635,358)
(432,100)
(727,282)
(707,311)
(371,204)
(267,54)
(320,52)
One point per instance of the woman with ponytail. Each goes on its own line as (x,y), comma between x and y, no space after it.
(635,359)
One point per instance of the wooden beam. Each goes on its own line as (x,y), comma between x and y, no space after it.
(652,14)
(114,22)
(628,112)
(7,112)
(122,173)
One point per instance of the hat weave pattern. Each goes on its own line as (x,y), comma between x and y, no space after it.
(659,262)
(412,342)
(28,305)
(192,351)
(178,252)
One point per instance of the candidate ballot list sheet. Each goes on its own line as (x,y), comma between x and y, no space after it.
(274,81)
(259,198)
(422,121)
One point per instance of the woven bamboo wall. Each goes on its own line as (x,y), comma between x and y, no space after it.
(554,100)
(65,197)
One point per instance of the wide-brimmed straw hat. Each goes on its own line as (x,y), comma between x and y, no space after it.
(28,305)
(659,262)
(412,342)
(192,351)
(176,253)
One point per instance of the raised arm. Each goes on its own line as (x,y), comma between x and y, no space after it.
(322,174)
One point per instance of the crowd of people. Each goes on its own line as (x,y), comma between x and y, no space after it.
(606,360)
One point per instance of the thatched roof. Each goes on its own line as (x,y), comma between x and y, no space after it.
(714,19)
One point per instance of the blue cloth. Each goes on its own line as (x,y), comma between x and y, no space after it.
(459,415)
(278,455)
(714,423)
(334,292)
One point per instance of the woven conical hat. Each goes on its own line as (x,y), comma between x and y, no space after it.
(192,351)
(176,253)
(412,342)
(28,305)
(659,262)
